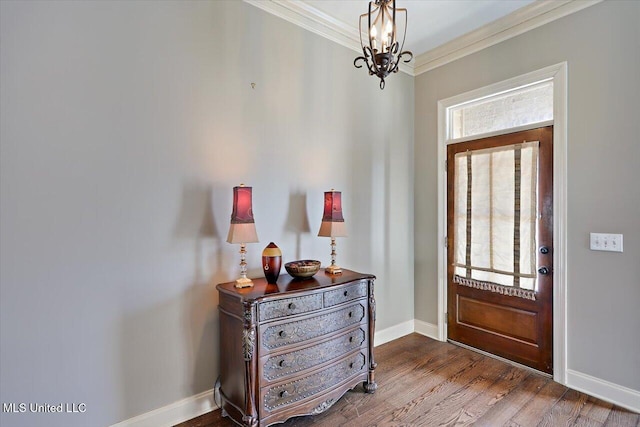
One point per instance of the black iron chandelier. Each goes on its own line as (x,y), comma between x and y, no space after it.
(382,51)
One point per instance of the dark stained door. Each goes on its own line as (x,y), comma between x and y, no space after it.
(500,246)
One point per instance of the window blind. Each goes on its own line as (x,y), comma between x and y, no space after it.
(495,219)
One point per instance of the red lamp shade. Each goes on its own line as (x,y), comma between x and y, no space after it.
(332,219)
(242,210)
(242,229)
(333,206)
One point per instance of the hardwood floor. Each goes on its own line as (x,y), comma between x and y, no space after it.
(422,382)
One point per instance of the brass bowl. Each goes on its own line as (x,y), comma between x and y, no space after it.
(302,268)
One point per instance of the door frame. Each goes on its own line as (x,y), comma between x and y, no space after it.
(558,73)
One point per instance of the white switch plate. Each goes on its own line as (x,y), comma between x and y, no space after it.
(605,242)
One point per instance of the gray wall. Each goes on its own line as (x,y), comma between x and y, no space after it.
(124,127)
(601,45)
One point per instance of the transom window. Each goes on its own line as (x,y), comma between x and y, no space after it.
(521,106)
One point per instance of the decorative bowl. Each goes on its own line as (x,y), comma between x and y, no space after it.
(302,268)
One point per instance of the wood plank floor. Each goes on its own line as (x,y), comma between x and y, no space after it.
(422,382)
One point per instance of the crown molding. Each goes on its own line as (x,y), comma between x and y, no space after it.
(312,19)
(316,21)
(518,22)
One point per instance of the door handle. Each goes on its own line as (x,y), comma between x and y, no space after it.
(543,270)
(544,250)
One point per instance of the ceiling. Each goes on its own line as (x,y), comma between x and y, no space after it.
(431,23)
(438,31)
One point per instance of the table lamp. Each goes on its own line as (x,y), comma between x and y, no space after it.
(242,229)
(332,225)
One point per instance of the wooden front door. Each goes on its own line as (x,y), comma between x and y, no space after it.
(500,246)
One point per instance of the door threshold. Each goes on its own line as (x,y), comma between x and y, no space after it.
(502,359)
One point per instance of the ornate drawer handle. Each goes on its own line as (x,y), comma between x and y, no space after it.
(282,334)
(283,394)
(351,314)
(350,339)
(346,293)
(282,363)
(292,306)
(351,365)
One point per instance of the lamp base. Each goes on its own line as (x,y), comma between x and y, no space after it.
(333,269)
(243,282)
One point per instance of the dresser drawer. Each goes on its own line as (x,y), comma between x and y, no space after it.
(282,334)
(289,306)
(347,293)
(277,396)
(279,366)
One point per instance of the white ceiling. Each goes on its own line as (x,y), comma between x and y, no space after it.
(439,31)
(431,23)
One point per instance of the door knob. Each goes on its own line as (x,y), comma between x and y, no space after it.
(543,270)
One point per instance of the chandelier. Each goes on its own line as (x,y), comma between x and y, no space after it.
(382,51)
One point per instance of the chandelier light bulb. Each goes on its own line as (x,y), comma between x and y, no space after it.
(388,32)
(374,33)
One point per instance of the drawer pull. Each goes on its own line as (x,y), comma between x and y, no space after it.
(292,306)
(351,314)
(282,334)
(282,363)
(346,293)
(350,339)
(351,365)
(283,394)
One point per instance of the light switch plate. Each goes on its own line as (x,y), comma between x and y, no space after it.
(605,242)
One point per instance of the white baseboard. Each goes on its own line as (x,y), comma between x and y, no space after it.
(174,413)
(194,406)
(393,333)
(605,390)
(200,404)
(427,329)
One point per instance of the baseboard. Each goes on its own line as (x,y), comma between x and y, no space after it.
(393,333)
(427,329)
(174,413)
(194,406)
(202,403)
(605,390)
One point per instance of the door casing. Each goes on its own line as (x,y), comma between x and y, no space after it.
(558,73)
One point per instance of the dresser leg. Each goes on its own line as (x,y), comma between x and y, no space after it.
(370,385)
(250,365)
(250,421)
(224,413)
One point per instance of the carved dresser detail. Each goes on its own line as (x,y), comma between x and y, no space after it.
(294,347)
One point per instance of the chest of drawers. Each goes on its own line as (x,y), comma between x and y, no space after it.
(295,347)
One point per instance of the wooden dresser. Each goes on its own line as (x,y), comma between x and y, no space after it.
(295,347)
